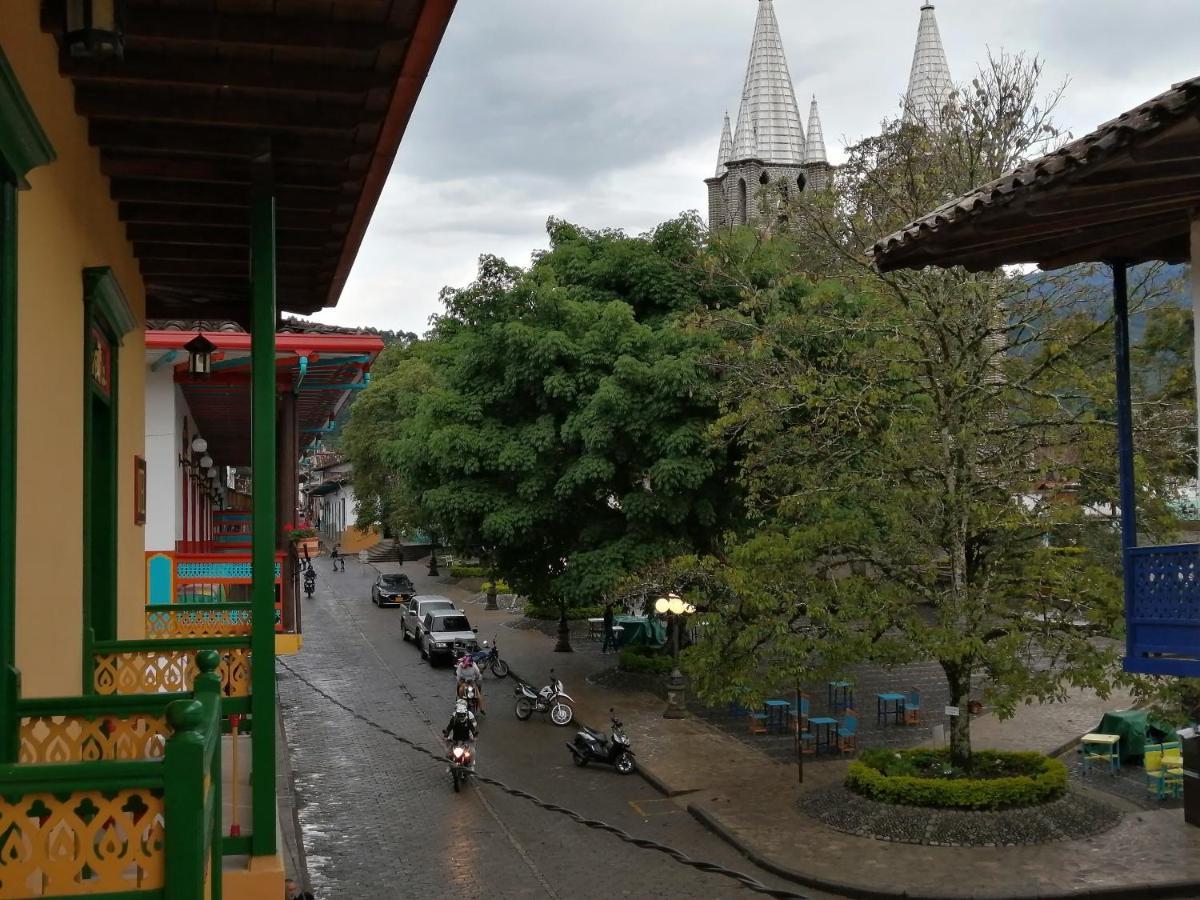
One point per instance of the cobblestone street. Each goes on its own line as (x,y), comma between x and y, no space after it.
(380,820)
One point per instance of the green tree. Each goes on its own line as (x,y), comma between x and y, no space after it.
(915,445)
(557,417)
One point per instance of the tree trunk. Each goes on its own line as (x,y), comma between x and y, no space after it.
(958,679)
(564,630)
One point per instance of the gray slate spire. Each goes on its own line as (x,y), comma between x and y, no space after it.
(769,105)
(745,145)
(814,147)
(726,151)
(929,83)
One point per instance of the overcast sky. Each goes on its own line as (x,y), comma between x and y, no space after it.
(608,112)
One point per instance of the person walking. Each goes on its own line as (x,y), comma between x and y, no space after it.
(339,563)
(610,636)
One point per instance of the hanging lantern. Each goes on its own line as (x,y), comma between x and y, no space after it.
(206,461)
(94,29)
(212,473)
(199,444)
(199,350)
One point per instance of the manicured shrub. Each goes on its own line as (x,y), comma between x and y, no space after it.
(996,780)
(644,659)
(501,587)
(468,572)
(550,611)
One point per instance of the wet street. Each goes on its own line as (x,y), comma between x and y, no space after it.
(382,821)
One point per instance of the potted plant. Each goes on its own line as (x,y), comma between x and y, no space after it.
(305,539)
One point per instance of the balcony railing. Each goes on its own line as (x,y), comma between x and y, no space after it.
(198,620)
(132,810)
(1163,609)
(169,665)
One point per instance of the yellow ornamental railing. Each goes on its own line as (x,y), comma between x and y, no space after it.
(197,620)
(115,826)
(169,666)
(88,729)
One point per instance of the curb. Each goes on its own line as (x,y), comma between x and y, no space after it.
(1170,889)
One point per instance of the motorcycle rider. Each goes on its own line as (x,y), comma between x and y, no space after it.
(466,673)
(462,727)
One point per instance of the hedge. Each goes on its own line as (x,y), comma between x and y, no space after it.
(501,587)
(889,776)
(642,659)
(468,572)
(551,611)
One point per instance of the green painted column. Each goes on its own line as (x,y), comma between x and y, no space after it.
(263,518)
(9,732)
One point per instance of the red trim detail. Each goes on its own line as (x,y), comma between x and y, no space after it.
(284,343)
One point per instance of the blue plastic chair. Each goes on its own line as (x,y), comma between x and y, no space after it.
(912,708)
(800,713)
(847,731)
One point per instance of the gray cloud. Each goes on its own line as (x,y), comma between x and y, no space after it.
(608,112)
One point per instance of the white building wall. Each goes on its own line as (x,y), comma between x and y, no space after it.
(164,519)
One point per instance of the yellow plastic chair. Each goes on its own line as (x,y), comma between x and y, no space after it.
(1152,761)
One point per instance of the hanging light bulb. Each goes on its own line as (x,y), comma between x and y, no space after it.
(206,461)
(199,444)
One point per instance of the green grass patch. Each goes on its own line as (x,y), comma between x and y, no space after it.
(995,780)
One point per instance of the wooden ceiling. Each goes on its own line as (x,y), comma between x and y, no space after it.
(323,88)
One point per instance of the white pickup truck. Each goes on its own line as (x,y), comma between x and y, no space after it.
(446,635)
(414,612)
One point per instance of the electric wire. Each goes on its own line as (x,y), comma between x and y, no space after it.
(678,856)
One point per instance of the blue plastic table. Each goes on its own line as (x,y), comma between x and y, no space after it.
(841,696)
(890,704)
(822,726)
(777,715)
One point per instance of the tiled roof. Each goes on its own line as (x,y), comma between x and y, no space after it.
(1171,161)
(290,325)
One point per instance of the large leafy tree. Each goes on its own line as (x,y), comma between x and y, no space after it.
(918,446)
(557,417)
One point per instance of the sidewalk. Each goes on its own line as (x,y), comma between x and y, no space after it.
(754,802)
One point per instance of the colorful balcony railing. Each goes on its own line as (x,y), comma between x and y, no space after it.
(111,826)
(93,728)
(189,620)
(208,581)
(158,666)
(1163,609)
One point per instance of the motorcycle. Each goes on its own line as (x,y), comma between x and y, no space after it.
(594,746)
(310,582)
(470,693)
(548,699)
(489,658)
(462,763)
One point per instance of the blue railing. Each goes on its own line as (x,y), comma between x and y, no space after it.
(1162,605)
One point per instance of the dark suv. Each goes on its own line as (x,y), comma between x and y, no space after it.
(392,590)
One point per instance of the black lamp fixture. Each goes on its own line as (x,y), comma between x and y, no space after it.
(95,29)
(199,350)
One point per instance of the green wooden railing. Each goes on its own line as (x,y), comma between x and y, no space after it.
(124,828)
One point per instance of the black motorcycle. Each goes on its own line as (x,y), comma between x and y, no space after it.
(462,763)
(470,693)
(594,746)
(310,581)
(548,699)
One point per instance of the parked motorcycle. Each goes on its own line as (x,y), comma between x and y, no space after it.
(548,699)
(488,657)
(462,763)
(613,749)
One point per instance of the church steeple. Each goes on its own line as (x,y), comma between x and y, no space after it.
(769,105)
(726,151)
(814,147)
(929,83)
(745,143)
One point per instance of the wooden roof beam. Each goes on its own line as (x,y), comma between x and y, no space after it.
(268,31)
(139,66)
(192,193)
(105,102)
(166,214)
(232,172)
(224,236)
(232,143)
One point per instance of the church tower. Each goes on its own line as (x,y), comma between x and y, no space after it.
(929,83)
(769,142)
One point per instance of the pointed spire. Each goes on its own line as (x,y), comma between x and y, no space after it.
(814,147)
(769,105)
(726,151)
(929,83)
(745,143)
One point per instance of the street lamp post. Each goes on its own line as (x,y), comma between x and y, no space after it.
(677,608)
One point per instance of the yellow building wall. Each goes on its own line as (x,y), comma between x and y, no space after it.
(66,222)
